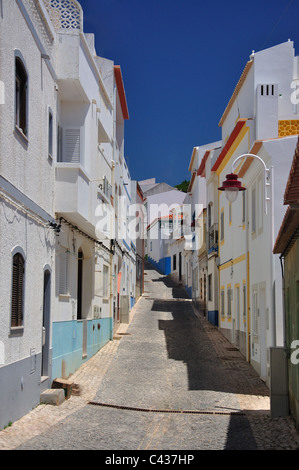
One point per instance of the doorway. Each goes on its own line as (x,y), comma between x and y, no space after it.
(237,317)
(180,266)
(80,285)
(46,324)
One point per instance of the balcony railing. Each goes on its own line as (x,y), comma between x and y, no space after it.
(65,14)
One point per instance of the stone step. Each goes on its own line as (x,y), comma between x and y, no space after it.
(52,397)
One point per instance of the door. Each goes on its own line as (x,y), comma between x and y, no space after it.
(180,266)
(46,324)
(262,328)
(80,285)
(237,317)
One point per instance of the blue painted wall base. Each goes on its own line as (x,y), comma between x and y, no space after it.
(213,317)
(68,343)
(163,266)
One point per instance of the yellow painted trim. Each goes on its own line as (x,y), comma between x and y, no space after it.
(245,130)
(228,264)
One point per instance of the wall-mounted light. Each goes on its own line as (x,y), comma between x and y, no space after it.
(231,186)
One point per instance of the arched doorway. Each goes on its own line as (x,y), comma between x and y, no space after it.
(46,324)
(80,285)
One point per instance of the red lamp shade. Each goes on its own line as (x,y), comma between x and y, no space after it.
(231,186)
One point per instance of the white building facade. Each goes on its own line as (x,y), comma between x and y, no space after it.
(27,174)
(68,264)
(261,120)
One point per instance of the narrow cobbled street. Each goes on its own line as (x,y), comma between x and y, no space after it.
(168,381)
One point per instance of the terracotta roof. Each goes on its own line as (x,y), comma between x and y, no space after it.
(254,150)
(191,182)
(121,91)
(202,166)
(291,195)
(232,137)
(289,231)
(236,91)
(192,158)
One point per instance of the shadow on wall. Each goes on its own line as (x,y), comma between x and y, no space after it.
(187,341)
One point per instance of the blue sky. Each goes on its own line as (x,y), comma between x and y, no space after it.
(180,61)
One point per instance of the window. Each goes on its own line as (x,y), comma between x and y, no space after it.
(106,281)
(210,294)
(243,207)
(59,144)
(21,80)
(222,225)
(72,145)
(255,316)
(222,302)
(17,298)
(50,134)
(63,276)
(260,200)
(253,209)
(209,216)
(244,300)
(229,302)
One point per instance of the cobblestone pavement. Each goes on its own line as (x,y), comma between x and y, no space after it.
(172,382)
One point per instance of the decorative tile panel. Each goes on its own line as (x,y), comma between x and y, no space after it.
(288,127)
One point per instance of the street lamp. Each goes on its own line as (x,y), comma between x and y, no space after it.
(232,185)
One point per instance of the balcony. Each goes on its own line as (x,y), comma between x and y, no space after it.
(73,195)
(78,74)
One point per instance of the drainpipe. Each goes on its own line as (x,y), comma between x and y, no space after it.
(112,245)
(272,303)
(248,283)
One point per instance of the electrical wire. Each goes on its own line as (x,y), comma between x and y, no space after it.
(274,28)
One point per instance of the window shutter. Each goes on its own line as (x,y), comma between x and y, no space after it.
(63,278)
(255,320)
(71,145)
(17,290)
